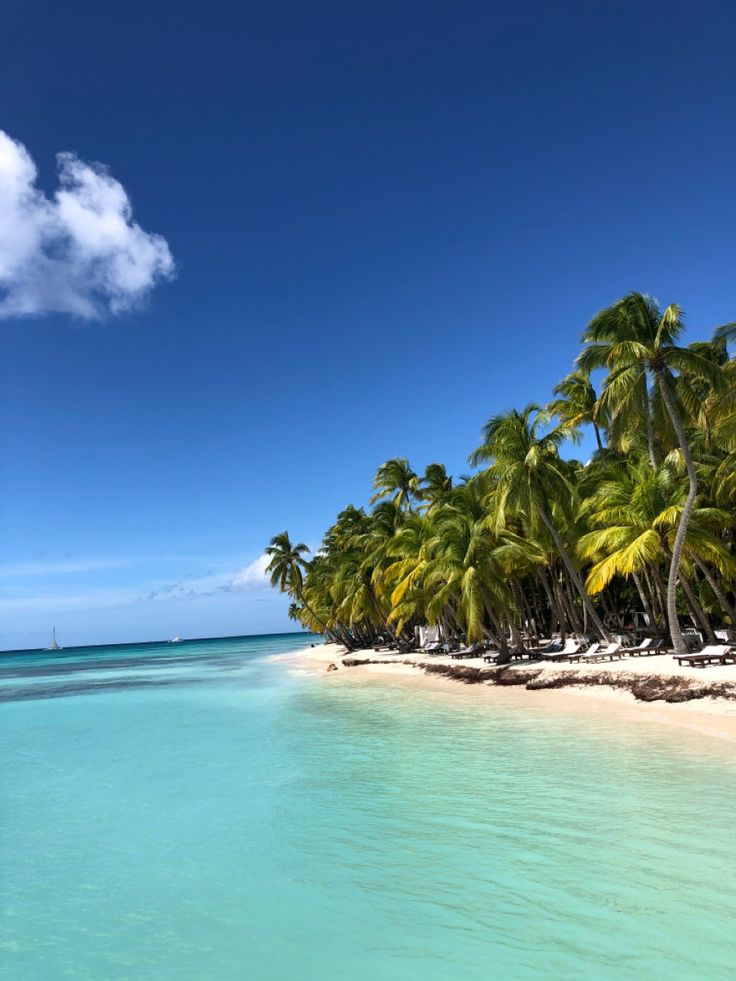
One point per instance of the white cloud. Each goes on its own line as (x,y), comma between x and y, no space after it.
(251,577)
(79,252)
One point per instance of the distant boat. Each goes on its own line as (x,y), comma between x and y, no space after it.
(175,640)
(53,646)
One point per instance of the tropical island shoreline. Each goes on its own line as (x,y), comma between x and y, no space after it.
(654,689)
(537,556)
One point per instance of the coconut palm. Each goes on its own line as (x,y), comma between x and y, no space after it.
(396,480)
(435,485)
(286,569)
(635,519)
(464,570)
(633,339)
(577,403)
(410,551)
(530,478)
(532,537)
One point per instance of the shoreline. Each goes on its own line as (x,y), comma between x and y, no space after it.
(697,700)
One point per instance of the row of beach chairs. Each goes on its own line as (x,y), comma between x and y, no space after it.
(575,651)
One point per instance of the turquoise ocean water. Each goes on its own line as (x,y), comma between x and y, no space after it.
(202,812)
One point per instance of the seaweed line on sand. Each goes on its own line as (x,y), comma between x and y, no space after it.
(644,688)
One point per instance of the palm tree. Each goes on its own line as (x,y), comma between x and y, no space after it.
(286,570)
(396,480)
(530,478)
(435,485)
(634,339)
(464,569)
(634,518)
(532,537)
(410,551)
(577,403)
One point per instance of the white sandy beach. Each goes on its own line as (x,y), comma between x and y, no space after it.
(714,717)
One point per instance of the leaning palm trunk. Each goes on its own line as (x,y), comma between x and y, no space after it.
(699,613)
(657,607)
(568,595)
(572,572)
(311,612)
(677,638)
(563,615)
(718,592)
(554,611)
(661,594)
(643,597)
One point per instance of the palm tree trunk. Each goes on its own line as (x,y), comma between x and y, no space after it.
(538,607)
(650,427)
(677,638)
(661,594)
(521,601)
(562,615)
(386,626)
(516,637)
(715,586)
(572,611)
(597,435)
(700,615)
(309,609)
(572,572)
(553,611)
(342,635)
(654,599)
(644,601)
(495,621)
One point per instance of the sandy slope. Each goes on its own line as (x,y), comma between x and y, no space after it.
(707,716)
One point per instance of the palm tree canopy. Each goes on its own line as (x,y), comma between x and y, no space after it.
(534,540)
(287,563)
(396,480)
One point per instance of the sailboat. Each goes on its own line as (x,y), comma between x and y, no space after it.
(53,646)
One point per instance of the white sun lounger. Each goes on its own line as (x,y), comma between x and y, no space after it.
(714,654)
(610,653)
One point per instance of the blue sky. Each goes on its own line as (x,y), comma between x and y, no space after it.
(389,221)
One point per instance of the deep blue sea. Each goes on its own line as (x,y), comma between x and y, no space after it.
(203,811)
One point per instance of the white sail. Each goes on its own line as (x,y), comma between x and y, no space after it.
(53,646)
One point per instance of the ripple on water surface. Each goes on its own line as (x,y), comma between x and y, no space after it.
(240,821)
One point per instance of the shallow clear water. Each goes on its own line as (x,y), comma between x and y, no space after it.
(199,812)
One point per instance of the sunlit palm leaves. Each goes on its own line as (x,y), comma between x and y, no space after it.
(536,539)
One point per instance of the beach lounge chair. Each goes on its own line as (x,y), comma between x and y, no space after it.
(519,653)
(638,648)
(494,657)
(583,653)
(714,654)
(611,653)
(570,649)
(550,648)
(471,650)
(647,647)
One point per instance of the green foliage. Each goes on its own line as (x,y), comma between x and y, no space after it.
(535,542)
